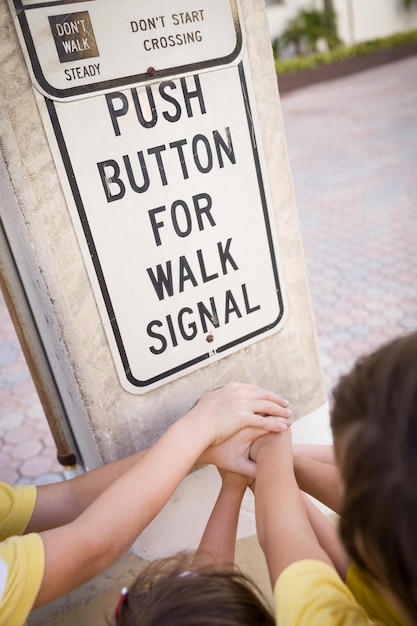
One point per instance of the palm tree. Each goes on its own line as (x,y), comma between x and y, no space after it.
(307,28)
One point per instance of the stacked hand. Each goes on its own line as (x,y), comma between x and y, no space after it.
(247,409)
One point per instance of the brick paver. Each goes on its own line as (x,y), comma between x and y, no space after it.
(27,451)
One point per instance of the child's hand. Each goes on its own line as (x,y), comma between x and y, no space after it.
(224,411)
(233,454)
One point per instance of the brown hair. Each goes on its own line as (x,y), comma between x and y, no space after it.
(374,423)
(170,592)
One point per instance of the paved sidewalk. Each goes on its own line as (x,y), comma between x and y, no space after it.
(27,450)
(353,150)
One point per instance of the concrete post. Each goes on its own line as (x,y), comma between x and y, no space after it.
(108,420)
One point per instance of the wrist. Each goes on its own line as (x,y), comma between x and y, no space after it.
(199,424)
(273,444)
(274,466)
(192,434)
(237,482)
(233,490)
(259,444)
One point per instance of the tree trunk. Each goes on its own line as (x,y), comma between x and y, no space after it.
(328,5)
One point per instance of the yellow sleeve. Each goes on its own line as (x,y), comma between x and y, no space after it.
(375,605)
(16,508)
(310,593)
(22,563)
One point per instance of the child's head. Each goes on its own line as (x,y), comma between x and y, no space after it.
(374,423)
(170,592)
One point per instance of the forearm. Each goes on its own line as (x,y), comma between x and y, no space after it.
(108,527)
(324,453)
(328,537)
(320,480)
(218,542)
(141,492)
(61,503)
(283,528)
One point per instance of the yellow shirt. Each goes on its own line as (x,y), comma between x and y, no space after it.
(311,593)
(22,559)
(377,608)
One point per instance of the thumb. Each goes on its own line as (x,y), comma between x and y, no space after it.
(247,467)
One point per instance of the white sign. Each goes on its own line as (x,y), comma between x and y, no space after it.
(74,48)
(167,189)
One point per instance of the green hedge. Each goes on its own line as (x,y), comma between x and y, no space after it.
(286,66)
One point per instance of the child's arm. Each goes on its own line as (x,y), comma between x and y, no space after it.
(76,552)
(61,503)
(328,537)
(284,531)
(324,453)
(318,475)
(218,542)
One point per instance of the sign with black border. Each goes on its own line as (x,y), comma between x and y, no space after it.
(167,188)
(82,47)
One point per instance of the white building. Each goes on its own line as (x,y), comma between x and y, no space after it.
(357,20)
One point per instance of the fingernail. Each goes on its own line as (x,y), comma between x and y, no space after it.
(284,426)
(288,413)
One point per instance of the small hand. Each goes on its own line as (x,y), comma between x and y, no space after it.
(235,406)
(233,454)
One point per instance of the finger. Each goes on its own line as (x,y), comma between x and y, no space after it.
(250,433)
(273,424)
(270,396)
(252,391)
(247,467)
(276,399)
(267,407)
